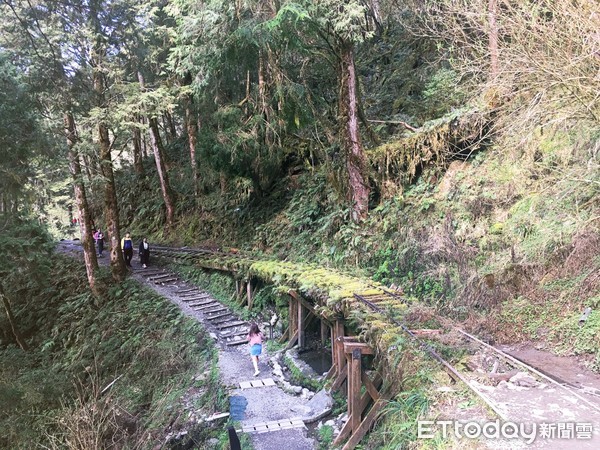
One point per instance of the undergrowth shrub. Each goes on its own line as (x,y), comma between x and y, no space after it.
(96,373)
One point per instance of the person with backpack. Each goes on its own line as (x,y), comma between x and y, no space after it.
(127,246)
(99,237)
(144,253)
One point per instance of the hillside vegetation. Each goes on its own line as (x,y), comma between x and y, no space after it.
(449,148)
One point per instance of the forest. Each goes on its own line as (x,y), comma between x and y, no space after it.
(448,148)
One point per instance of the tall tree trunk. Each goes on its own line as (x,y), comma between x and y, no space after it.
(165,187)
(111,206)
(355,157)
(170,126)
(89,250)
(11,320)
(137,152)
(493,37)
(192,131)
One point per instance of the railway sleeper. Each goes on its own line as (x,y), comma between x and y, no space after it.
(231,325)
(218,316)
(224,320)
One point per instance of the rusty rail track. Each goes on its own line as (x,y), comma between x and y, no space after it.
(512,361)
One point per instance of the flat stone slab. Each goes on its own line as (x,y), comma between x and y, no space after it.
(276,425)
(257,383)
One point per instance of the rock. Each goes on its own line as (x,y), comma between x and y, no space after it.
(319,406)
(330,423)
(503,385)
(214,336)
(297,389)
(524,380)
(320,425)
(212,442)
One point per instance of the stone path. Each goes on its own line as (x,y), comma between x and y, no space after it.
(265,404)
(268,404)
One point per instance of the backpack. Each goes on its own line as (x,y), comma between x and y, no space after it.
(127,244)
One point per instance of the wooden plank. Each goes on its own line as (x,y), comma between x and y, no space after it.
(234,334)
(293,317)
(249,294)
(341,377)
(301,324)
(344,433)
(365,425)
(371,389)
(231,325)
(354,384)
(202,303)
(224,319)
(207,305)
(236,342)
(338,347)
(218,316)
(324,333)
(349,347)
(292,341)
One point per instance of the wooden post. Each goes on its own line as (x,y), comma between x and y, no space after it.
(339,346)
(301,324)
(293,317)
(249,294)
(357,427)
(323,333)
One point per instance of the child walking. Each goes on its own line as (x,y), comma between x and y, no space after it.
(255,338)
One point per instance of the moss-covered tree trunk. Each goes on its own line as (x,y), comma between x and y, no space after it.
(191,124)
(348,111)
(89,249)
(111,207)
(165,186)
(137,152)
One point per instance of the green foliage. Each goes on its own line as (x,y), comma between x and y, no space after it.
(132,335)
(325,437)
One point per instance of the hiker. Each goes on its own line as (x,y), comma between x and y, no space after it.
(127,246)
(144,253)
(99,238)
(255,338)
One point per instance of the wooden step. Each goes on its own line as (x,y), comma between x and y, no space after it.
(233,334)
(236,342)
(218,316)
(195,297)
(207,305)
(166,280)
(215,310)
(217,322)
(201,303)
(185,291)
(160,277)
(231,325)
